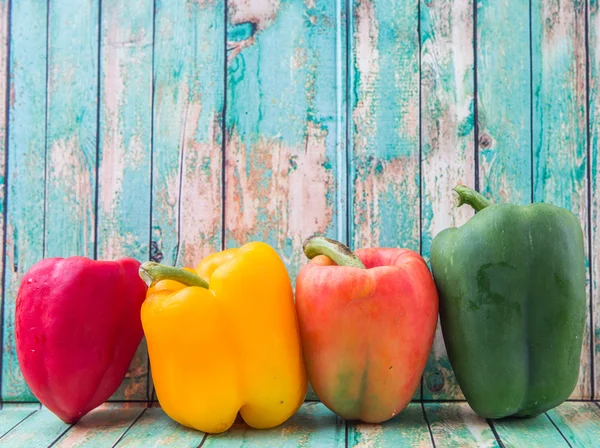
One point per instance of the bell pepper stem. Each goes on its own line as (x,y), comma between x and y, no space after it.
(466,195)
(152,273)
(338,252)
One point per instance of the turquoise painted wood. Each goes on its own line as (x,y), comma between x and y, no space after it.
(188,107)
(409,428)
(72,128)
(536,432)
(384,128)
(284,109)
(155,428)
(124,156)
(594,167)
(578,422)
(102,427)
(312,426)
(40,429)
(4,97)
(447,144)
(13,414)
(559,124)
(25,173)
(455,424)
(504,100)
(446,424)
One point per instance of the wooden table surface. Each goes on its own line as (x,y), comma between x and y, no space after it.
(449,424)
(169,129)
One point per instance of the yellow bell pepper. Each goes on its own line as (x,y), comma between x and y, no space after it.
(225,344)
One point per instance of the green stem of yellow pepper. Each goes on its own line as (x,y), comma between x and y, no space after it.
(152,272)
(338,252)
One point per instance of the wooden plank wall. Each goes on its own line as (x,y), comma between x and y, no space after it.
(168,129)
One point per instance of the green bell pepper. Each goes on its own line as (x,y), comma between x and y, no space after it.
(511,284)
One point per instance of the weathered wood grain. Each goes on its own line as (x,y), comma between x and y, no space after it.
(504,100)
(188,105)
(384,100)
(536,432)
(71,127)
(39,430)
(125,149)
(594,161)
(11,415)
(312,426)
(455,424)
(579,422)
(284,120)
(559,123)
(447,142)
(101,427)
(25,173)
(154,428)
(409,428)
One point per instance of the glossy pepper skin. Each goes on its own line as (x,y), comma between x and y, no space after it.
(512,304)
(77,328)
(228,344)
(366,333)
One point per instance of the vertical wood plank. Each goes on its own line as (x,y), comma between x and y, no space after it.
(594,161)
(4,72)
(579,422)
(536,432)
(312,426)
(72,127)
(25,171)
(102,427)
(124,149)
(154,428)
(40,429)
(188,105)
(559,123)
(455,424)
(504,100)
(384,147)
(408,428)
(284,169)
(447,115)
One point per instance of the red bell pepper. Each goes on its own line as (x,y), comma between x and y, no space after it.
(77,328)
(367,323)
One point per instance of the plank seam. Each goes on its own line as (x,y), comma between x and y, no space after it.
(10,430)
(428,425)
(420,156)
(531,173)
(346,432)
(558,429)
(349,179)
(203,440)
(5,198)
(588,126)
(491,424)
(98,96)
(224,130)
(148,373)
(46,131)
(67,429)
(181,163)
(129,427)
(475,100)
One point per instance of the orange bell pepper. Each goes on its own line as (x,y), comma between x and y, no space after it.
(224,338)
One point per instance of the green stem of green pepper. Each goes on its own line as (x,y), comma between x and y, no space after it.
(152,273)
(466,195)
(338,252)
